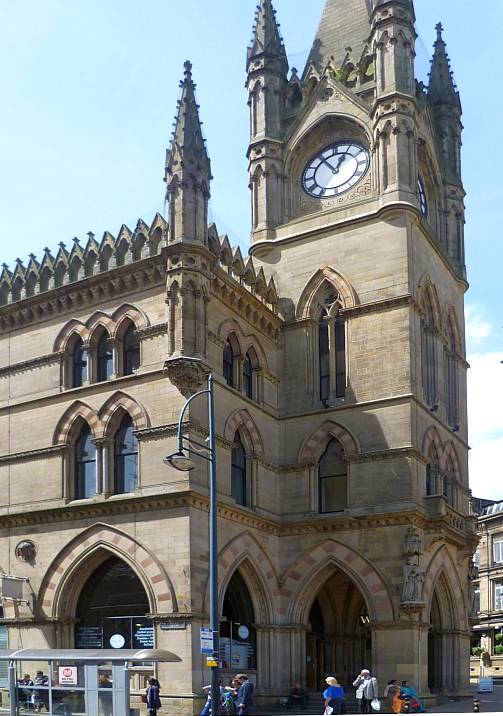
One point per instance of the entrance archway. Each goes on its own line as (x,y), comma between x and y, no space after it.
(112,610)
(238,640)
(339,639)
(435,647)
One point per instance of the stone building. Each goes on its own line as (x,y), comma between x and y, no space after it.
(338,350)
(487,594)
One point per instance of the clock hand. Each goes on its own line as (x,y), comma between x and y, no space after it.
(342,159)
(330,166)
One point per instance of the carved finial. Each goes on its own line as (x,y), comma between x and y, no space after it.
(62,245)
(32,257)
(90,235)
(187,69)
(76,241)
(439,28)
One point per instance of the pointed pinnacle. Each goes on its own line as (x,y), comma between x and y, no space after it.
(439,28)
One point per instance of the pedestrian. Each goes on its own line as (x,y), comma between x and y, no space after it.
(334,697)
(244,699)
(41,696)
(297,698)
(105,696)
(366,690)
(389,694)
(207,706)
(153,698)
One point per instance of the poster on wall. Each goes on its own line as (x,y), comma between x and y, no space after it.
(68,676)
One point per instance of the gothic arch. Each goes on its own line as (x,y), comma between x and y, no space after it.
(58,594)
(313,447)
(76,410)
(242,420)
(427,299)
(72,329)
(315,284)
(246,554)
(99,318)
(441,564)
(432,438)
(128,312)
(451,328)
(302,581)
(120,402)
(450,456)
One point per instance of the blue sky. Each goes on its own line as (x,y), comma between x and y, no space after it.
(89,91)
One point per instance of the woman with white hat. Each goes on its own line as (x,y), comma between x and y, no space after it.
(334,697)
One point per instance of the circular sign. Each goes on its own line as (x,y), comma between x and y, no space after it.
(117,641)
(243,632)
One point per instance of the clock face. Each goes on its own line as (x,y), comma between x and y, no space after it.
(336,169)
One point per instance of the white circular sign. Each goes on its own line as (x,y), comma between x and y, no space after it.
(243,632)
(117,641)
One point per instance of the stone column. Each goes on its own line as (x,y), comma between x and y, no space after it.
(401,648)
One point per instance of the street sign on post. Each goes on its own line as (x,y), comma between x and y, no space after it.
(206,641)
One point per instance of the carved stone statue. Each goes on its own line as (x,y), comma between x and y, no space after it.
(413,581)
(413,542)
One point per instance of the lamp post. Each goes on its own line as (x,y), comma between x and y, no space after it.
(182,461)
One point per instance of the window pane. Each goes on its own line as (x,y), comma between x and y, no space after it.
(340,357)
(105,358)
(126,457)
(238,472)
(324,355)
(248,377)
(85,466)
(498,596)
(79,366)
(334,494)
(228,364)
(131,355)
(498,550)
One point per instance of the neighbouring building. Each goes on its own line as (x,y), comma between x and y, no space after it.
(338,350)
(487,595)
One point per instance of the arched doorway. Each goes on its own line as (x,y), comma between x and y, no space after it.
(112,608)
(435,647)
(339,638)
(238,640)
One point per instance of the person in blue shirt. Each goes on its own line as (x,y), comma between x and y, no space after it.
(334,696)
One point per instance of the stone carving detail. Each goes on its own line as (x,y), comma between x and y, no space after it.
(26,551)
(413,542)
(187,374)
(473,574)
(413,581)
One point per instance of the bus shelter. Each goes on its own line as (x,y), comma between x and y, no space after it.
(72,682)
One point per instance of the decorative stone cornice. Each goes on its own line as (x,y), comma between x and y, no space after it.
(153,331)
(29,455)
(29,365)
(159,432)
(386,304)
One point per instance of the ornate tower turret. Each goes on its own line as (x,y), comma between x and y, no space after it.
(447,111)
(188,170)
(267,68)
(394,115)
(188,176)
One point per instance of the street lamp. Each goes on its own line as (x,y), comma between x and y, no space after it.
(182,461)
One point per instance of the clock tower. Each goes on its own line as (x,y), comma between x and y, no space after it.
(358,218)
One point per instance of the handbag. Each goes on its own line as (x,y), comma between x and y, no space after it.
(144,698)
(376,705)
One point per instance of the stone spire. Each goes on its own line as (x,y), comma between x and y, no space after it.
(188,169)
(344,26)
(267,38)
(442,90)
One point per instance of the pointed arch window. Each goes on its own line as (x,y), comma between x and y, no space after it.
(125,458)
(333,479)
(79,364)
(451,379)
(130,351)
(238,472)
(85,465)
(228,364)
(331,350)
(433,477)
(429,356)
(105,358)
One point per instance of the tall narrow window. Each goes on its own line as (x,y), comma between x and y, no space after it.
(432,473)
(85,465)
(125,457)
(79,365)
(498,596)
(451,379)
(340,356)
(130,351)
(105,358)
(248,376)
(324,357)
(429,357)
(429,480)
(238,471)
(333,479)
(228,364)
(498,550)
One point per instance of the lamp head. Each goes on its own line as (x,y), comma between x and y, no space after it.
(180,461)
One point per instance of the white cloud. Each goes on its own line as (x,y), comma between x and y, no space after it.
(477,328)
(485,421)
